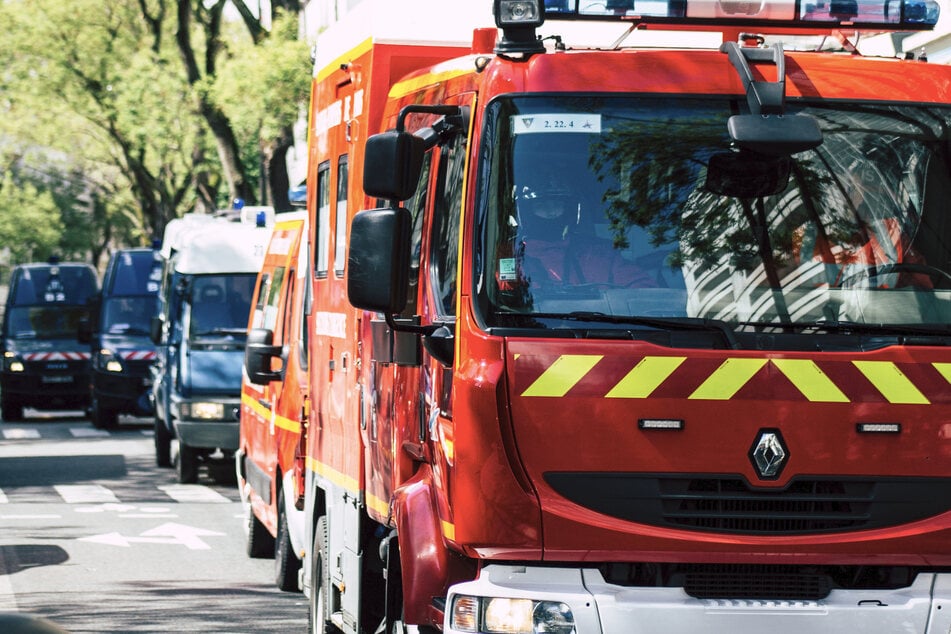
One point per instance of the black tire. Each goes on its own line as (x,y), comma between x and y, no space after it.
(318,613)
(286,562)
(163,444)
(103,417)
(11,410)
(187,464)
(260,541)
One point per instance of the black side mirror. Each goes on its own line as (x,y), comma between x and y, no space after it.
(377,267)
(392,164)
(155,329)
(258,354)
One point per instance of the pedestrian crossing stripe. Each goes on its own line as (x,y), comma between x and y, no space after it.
(98,494)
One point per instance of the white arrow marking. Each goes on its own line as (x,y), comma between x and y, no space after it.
(169,533)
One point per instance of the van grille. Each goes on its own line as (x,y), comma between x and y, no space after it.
(729,504)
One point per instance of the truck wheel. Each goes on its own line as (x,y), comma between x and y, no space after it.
(163,444)
(286,563)
(260,542)
(318,614)
(103,417)
(10,410)
(187,464)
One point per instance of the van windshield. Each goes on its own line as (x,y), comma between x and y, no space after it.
(39,322)
(220,305)
(128,315)
(626,207)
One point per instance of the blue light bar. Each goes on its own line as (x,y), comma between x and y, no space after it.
(887,15)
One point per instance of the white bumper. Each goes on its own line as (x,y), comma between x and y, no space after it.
(600,607)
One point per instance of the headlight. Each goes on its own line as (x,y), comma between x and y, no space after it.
(497,615)
(203,411)
(12,362)
(108,361)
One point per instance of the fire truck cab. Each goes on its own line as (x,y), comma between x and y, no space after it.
(649,333)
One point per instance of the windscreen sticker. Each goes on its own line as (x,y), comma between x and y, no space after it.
(558,122)
(507,272)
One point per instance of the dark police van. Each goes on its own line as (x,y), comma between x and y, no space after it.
(118,330)
(45,366)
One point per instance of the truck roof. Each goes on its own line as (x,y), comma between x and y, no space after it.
(216,245)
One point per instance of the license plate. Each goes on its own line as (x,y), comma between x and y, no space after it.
(56,379)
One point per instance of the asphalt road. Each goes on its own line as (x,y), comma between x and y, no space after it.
(95,538)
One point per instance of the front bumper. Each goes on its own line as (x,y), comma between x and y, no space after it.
(600,607)
(208,434)
(123,392)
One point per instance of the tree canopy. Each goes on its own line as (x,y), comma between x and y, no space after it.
(118,115)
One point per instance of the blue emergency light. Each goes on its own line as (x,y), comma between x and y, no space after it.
(518,19)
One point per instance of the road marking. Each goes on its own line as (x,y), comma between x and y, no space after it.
(193,493)
(169,533)
(8,598)
(21,434)
(3,497)
(85,493)
(42,516)
(86,432)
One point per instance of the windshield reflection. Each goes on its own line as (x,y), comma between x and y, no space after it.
(639,207)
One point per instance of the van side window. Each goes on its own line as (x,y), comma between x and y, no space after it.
(446,216)
(322,226)
(274,299)
(258,321)
(417,209)
(340,239)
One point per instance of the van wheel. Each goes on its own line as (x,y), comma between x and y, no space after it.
(10,410)
(163,444)
(103,417)
(187,464)
(286,563)
(260,542)
(318,614)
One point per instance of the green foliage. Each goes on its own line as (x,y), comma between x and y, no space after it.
(30,222)
(262,89)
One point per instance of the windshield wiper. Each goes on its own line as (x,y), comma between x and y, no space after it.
(853,326)
(221,331)
(662,323)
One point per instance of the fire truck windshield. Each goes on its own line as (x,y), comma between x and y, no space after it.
(639,207)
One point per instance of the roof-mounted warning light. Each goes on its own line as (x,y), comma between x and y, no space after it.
(878,15)
(518,20)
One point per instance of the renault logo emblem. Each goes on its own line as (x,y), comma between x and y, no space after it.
(769,454)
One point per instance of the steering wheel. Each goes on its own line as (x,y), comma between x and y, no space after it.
(871,272)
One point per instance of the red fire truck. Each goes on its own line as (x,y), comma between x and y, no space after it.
(649,335)
(274,402)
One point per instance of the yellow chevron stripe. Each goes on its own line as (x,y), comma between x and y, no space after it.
(944,369)
(728,379)
(562,375)
(646,376)
(814,384)
(891,382)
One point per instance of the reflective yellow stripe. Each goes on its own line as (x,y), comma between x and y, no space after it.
(891,382)
(728,379)
(287,423)
(340,479)
(811,380)
(645,377)
(403,88)
(562,375)
(254,404)
(448,530)
(382,507)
